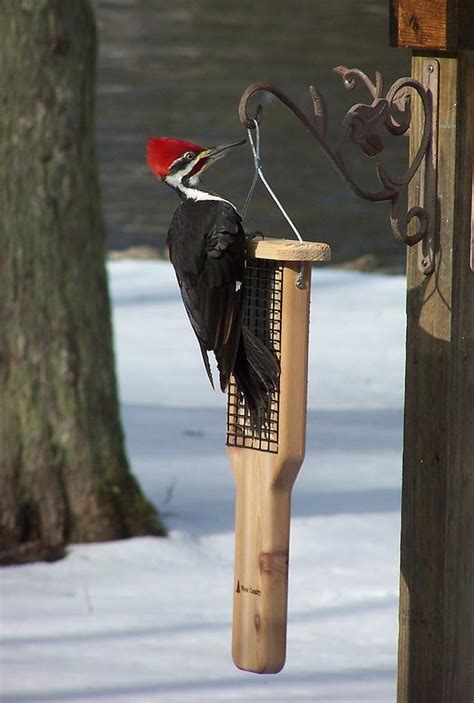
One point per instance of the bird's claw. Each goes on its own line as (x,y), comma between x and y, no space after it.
(255,235)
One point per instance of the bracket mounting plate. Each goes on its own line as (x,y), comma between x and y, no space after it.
(428,174)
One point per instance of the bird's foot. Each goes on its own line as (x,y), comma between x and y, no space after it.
(255,235)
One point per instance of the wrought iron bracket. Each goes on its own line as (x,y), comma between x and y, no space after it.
(365,124)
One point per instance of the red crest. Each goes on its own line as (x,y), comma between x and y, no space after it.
(161,152)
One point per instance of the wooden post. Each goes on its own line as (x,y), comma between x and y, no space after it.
(436,640)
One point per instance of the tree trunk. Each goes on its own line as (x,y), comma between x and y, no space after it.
(64,472)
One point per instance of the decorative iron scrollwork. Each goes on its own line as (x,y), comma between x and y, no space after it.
(365,125)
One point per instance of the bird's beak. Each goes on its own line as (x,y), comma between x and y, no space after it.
(216,152)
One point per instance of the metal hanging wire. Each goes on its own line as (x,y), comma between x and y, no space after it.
(259,174)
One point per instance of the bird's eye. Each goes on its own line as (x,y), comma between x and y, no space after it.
(189,155)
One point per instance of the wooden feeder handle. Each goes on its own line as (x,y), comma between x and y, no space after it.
(264,480)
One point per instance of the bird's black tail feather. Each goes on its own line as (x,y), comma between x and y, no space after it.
(256,372)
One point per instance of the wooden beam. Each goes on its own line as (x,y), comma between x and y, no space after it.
(440,25)
(436,643)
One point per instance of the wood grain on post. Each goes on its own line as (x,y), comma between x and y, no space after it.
(436,641)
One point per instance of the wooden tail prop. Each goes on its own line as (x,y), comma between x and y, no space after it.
(266,461)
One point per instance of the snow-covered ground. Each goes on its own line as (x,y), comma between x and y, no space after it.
(148,620)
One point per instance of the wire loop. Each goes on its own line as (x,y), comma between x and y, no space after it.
(255,146)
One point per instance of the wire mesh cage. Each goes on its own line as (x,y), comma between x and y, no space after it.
(262,315)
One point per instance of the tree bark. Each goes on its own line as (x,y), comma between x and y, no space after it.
(64,471)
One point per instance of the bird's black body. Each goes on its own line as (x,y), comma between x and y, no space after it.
(208,249)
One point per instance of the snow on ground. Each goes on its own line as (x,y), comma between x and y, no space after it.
(148,620)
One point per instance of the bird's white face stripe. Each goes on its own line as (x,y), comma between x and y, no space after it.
(174,178)
(191,190)
(194,193)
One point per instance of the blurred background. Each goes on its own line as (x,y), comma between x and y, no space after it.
(178,70)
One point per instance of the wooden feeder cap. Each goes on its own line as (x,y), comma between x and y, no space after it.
(289,250)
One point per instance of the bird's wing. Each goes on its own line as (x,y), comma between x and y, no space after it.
(207,248)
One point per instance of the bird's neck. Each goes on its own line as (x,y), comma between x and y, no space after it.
(194,189)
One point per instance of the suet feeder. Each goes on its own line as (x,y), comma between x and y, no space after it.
(266,459)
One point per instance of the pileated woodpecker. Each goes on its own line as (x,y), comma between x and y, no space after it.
(207,246)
